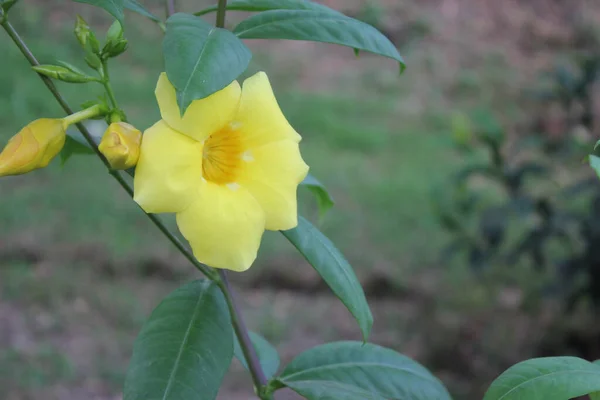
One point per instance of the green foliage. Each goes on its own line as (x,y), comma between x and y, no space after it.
(327,260)
(349,367)
(317,26)
(324,199)
(184,348)
(552,378)
(266,5)
(201,59)
(267,354)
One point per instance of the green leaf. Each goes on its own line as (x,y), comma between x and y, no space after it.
(330,390)
(185,347)
(267,354)
(135,6)
(201,59)
(551,378)
(324,199)
(114,7)
(595,163)
(266,5)
(368,367)
(595,396)
(327,260)
(317,26)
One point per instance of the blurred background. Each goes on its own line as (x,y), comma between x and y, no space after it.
(464,199)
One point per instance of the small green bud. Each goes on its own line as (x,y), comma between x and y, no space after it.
(116,49)
(85,36)
(63,74)
(115,43)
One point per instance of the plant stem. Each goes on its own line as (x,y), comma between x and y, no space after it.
(258,376)
(221,9)
(107,85)
(82,115)
(10,30)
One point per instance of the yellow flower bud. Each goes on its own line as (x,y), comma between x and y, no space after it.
(121,145)
(33,147)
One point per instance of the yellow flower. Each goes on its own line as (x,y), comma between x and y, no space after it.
(229,168)
(33,147)
(121,145)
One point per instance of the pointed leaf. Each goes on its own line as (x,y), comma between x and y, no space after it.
(266,5)
(327,260)
(114,7)
(550,378)
(368,367)
(317,26)
(135,6)
(184,348)
(201,59)
(324,199)
(330,390)
(267,354)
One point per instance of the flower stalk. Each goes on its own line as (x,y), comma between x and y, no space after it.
(82,115)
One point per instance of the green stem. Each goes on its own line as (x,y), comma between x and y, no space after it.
(221,9)
(10,30)
(82,115)
(107,85)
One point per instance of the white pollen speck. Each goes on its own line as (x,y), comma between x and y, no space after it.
(233,186)
(247,156)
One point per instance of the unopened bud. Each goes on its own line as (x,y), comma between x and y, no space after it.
(115,43)
(121,145)
(63,74)
(86,36)
(33,147)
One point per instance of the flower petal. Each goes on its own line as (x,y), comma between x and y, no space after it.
(203,117)
(271,173)
(224,226)
(261,120)
(169,170)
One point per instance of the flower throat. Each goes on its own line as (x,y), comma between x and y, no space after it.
(222,155)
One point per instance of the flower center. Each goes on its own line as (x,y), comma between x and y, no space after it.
(222,155)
